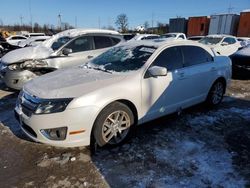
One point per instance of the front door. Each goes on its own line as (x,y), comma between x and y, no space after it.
(161,95)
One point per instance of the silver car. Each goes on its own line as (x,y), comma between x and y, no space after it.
(130,84)
(69,48)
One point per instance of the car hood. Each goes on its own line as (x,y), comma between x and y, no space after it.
(28,53)
(71,83)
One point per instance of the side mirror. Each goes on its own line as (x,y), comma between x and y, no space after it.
(224,43)
(157,71)
(66,51)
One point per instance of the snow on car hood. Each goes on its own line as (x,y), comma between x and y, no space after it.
(28,53)
(70,83)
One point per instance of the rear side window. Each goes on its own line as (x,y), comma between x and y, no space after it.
(102,42)
(170,58)
(81,44)
(181,37)
(194,55)
(115,40)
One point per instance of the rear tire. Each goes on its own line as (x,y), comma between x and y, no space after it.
(114,124)
(216,93)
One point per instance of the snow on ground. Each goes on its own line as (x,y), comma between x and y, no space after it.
(189,156)
(191,150)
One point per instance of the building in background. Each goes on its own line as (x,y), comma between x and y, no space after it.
(224,24)
(198,26)
(178,25)
(244,24)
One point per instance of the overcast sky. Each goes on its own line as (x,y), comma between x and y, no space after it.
(92,13)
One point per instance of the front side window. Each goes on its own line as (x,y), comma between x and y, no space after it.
(171,58)
(194,55)
(80,44)
(59,42)
(123,58)
(102,42)
(17,38)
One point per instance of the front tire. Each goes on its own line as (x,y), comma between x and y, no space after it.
(113,125)
(216,93)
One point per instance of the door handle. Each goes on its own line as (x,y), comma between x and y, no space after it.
(181,75)
(90,56)
(213,69)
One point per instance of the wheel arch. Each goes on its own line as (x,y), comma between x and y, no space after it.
(223,80)
(128,103)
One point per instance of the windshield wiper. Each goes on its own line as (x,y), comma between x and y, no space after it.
(104,70)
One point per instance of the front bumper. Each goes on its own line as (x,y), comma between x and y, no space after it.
(74,119)
(16,79)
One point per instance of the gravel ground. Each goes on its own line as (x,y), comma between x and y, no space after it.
(199,148)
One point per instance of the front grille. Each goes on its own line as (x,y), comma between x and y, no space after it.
(29,130)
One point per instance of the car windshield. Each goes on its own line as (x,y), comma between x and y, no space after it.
(123,58)
(210,40)
(168,36)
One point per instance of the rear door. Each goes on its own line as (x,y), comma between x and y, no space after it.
(198,74)
(103,43)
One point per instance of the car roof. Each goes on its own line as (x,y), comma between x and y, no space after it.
(220,35)
(161,43)
(77,32)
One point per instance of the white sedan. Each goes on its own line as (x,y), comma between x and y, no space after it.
(128,85)
(222,44)
(15,39)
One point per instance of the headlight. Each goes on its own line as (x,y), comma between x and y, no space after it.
(52,106)
(14,66)
(34,64)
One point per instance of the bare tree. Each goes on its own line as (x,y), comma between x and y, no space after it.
(122,22)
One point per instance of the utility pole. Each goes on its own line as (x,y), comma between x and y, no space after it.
(31,22)
(230,9)
(75,21)
(21,20)
(59,21)
(152,20)
(99,22)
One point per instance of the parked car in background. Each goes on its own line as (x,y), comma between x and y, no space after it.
(174,35)
(14,39)
(222,44)
(244,41)
(241,63)
(34,34)
(145,37)
(33,41)
(195,38)
(129,84)
(67,49)
(5,47)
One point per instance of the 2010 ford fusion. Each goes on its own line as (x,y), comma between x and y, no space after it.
(128,85)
